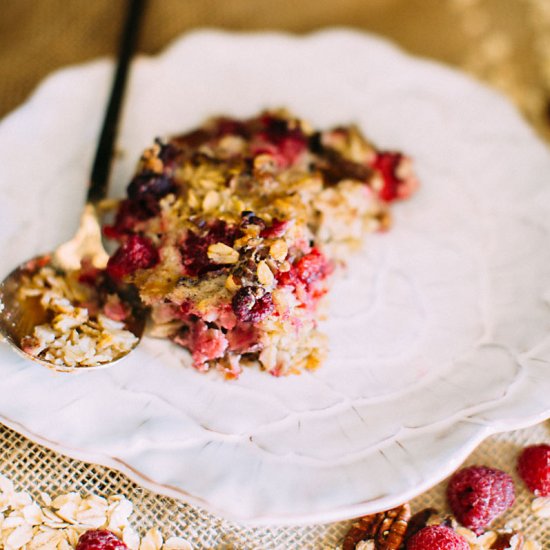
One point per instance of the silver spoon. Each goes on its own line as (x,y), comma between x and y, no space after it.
(18,317)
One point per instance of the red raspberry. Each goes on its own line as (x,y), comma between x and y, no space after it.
(312,266)
(477,495)
(194,248)
(396,185)
(534,468)
(250,308)
(276,229)
(99,539)
(437,537)
(136,253)
(286,144)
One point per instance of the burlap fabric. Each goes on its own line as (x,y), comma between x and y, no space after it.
(36,469)
(504,42)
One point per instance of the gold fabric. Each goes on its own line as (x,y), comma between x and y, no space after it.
(506,43)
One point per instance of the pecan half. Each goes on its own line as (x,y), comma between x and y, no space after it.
(419,521)
(508,541)
(386,529)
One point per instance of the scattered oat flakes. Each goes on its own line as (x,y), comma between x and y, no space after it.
(541,507)
(57,524)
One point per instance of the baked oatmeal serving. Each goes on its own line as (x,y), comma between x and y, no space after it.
(231,234)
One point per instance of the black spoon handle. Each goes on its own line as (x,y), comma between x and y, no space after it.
(101,168)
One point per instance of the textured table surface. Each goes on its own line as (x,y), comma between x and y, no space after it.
(503,42)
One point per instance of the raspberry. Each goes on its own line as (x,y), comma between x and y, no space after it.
(534,468)
(437,537)
(194,248)
(477,495)
(203,342)
(136,253)
(286,144)
(312,266)
(387,163)
(249,308)
(99,539)
(306,277)
(276,229)
(289,278)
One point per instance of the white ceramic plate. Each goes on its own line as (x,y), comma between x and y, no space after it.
(439,334)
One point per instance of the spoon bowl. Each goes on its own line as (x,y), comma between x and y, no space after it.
(18,317)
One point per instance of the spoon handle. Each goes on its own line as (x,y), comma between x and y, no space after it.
(103,157)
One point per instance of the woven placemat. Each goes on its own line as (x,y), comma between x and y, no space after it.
(35,469)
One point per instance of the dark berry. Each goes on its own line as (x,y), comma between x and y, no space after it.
(477,495)
(136,253)
(128,216)
(274,127)
(99,539)
(243,302)
(229,126)
(437,537)
(315,143)
(144,192)
(148,187)
(336,168)
(249,308)
(193,139)
(248,218)
(534,468)
(168,152)
(387,163)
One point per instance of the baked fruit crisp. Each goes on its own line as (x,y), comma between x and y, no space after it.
(231,233)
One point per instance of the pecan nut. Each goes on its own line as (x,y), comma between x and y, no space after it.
(386,529)
(419,521)
(508,541)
